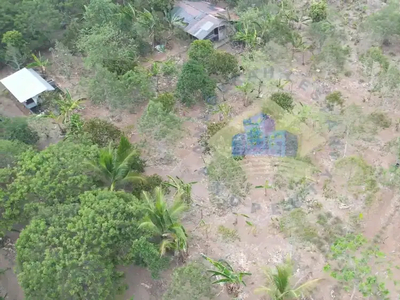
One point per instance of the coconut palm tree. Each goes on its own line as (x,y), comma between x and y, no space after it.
(164,221)
(183,189)
(114,165)
(225,274)
(279,285)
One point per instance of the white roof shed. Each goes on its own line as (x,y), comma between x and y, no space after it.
(25,84)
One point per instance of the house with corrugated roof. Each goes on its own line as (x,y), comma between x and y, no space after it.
(202,20)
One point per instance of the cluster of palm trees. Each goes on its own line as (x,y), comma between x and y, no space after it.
(279,284)
(113,167)
(163,219)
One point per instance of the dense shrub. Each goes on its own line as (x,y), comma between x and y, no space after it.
(146,185)
(17,129)
(284,100)
(334,99)
(167,100)
(318,11)
(380,119)
(9,152)
(102,132)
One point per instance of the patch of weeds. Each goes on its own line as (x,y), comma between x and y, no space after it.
(169,68)
(333,100)
(380,119)
(360,177)
(227,234)
(228,180)
(356,263)
(328,191)
(190,282)
(284,100)
(295,224)
(348,73)
(167,100)
(212,129)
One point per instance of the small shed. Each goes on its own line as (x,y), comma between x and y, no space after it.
(26,85)
(202,20)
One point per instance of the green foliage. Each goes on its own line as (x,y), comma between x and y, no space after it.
(189,282)
(148,184)
(17,129)
(160,124)
(212,129)
(167,100)
(333,55)
(194,82)
(284,100)
(10,152)
(225,274)
(201,51)
(182,189)
(350,264)
(164,221)
(279,285)
(147,254)
(380,119)
(360,177)
(16,51)
(118,165)
(102,132)
(118,92)
(169,68)
(224,171)
(63,250)
(117,52)
(65,105)
(384,24)
(334,99)
(223,64)
(47,178)
(318,11)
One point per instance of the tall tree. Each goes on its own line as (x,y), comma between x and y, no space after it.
(47,178)
(71,251)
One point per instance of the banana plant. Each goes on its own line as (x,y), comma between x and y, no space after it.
(182,188)
(266,186)
(39,62)
(226,275)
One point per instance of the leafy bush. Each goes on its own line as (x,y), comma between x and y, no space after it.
(284,100)
(167,100)
(194,82)
(201,50)
(318,11)
(9,152)
(160,124)
(380,119)
(223,64)
(17,129)
(146,185)
(212,128)
(169,68)
(102,132)
(334,99)
(190,282)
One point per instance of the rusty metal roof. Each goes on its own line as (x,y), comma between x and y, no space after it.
(201,17)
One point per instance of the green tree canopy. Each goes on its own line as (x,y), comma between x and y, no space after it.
(194,82)
(17,129)
(10,151)
(71,251)
(52,176)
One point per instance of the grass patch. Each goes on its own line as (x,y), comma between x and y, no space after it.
(227,234)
